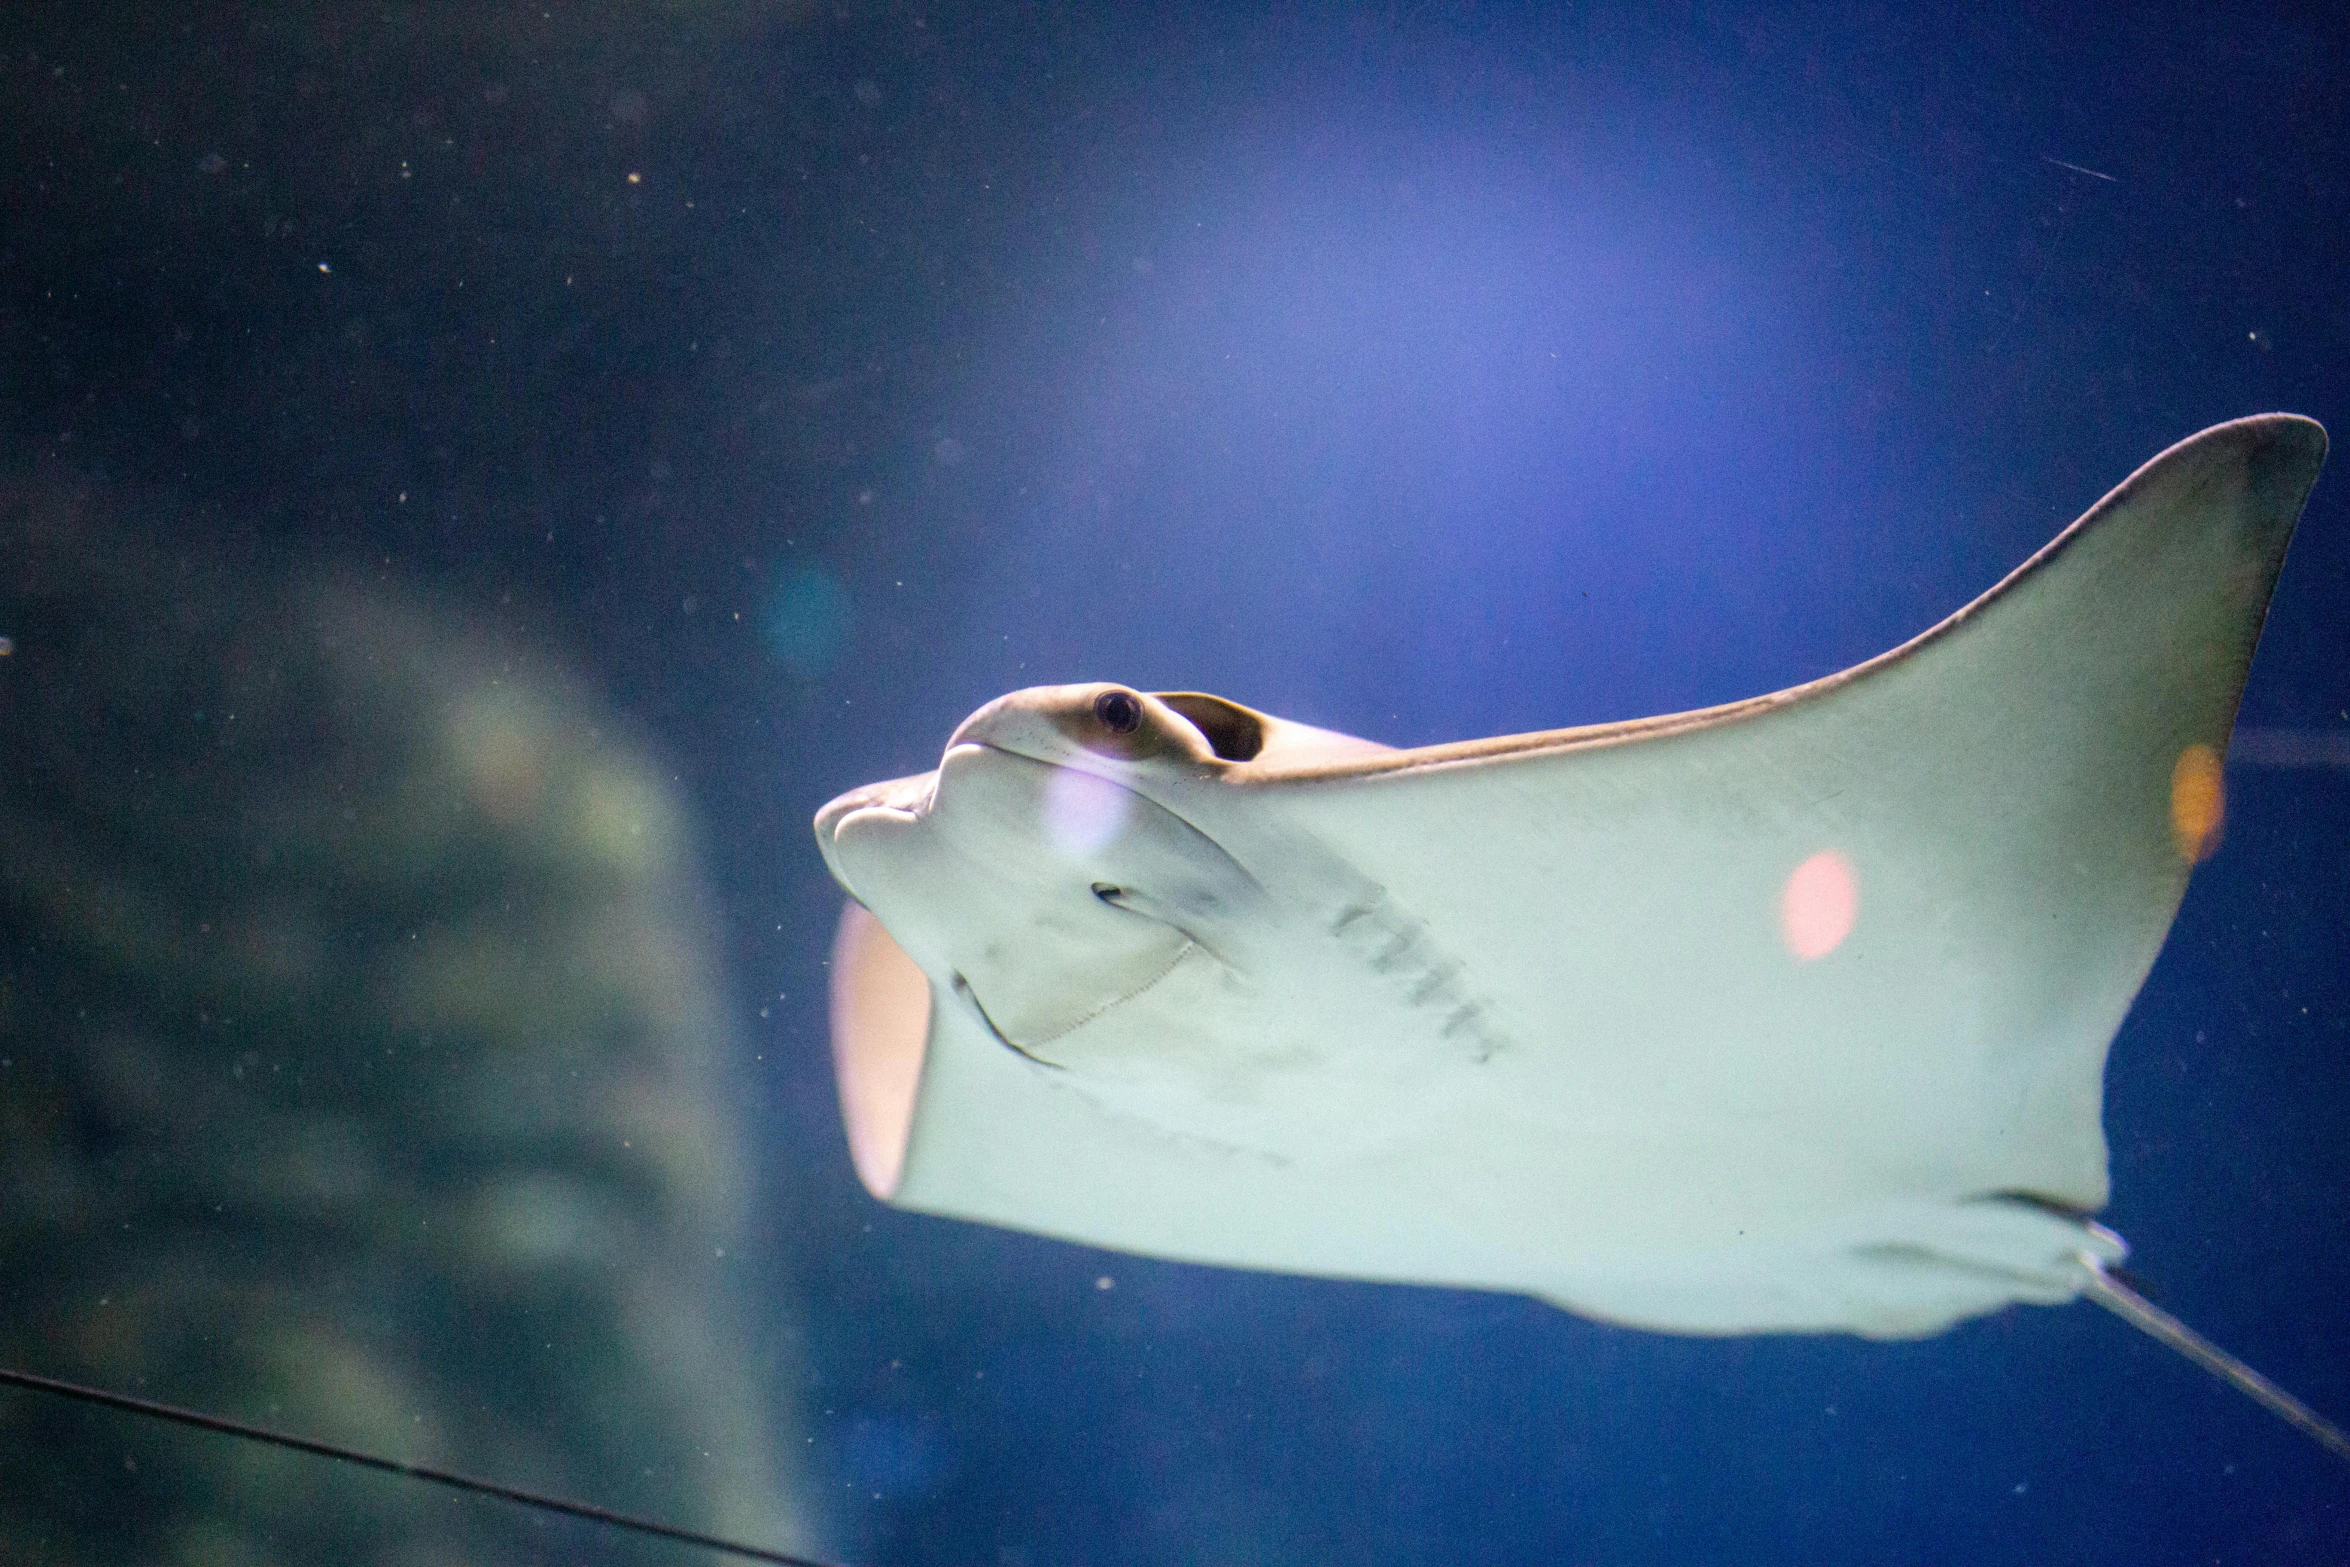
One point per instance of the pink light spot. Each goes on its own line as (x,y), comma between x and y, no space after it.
(1818,905)
(1082,812)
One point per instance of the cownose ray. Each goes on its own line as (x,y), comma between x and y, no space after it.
(1789,1015)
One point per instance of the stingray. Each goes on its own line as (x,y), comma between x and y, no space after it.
(1784,1016)
(1789,1015)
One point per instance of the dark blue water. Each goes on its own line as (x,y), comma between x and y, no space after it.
(1420,371)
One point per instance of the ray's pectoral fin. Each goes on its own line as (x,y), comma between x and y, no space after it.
(2024,1237)
(1554,1012)
(2010,1246)
(881,1005)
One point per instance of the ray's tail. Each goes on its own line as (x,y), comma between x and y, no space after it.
(2156,1323)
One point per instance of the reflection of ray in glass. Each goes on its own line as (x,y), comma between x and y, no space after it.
(538,1033)
(2290,748)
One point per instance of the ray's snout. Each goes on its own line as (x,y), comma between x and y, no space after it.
(907,795)
(903,797)
(1011,723)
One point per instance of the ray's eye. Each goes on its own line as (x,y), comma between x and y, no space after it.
(1107,893)
(1120,713)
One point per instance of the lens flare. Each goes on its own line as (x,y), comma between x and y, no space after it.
(1818,905)
(807,621)
(1082,812)
(2198,804)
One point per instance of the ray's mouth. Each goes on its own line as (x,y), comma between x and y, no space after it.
(1029,1051)
(979,1008)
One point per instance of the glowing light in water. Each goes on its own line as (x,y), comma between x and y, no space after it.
(807,621)
(1818,905)
(1082,812)
(2198,803)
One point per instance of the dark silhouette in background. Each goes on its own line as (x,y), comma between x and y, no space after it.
(363,1071)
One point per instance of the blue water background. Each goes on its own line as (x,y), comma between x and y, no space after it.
(1538,374)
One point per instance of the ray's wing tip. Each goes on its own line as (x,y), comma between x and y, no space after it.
(2283,461)
(2288,445)
(2300,426)
(2266,465)
(2296,434)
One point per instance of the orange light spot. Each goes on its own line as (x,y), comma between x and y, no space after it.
(1818,905)
(2198,803)
(880,1033)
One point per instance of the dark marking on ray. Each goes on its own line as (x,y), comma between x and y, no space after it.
(1438,982)
(1393,944)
